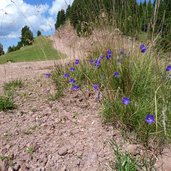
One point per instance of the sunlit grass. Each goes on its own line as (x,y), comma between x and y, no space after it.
(41,50)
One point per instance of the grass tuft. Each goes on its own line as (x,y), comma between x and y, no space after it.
(6,103)
(124,162)
(12,85)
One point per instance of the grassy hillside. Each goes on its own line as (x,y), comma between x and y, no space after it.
(41,50)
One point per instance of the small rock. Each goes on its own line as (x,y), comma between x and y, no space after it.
(62,151)
(78,162)
(133,149)
(80,99)
(3,165)
(164,162)
(91,158)
(40,169)
(83,105)
(79,153)
(88,94)
(63,168)
(76,95)
(16,167)
(10,169)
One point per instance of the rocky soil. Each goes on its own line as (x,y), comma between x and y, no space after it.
(66,134)
(42,134)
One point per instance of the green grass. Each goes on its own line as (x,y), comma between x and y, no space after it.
(6,103)
(12,85)
(127,162)
(124,162)
(30,150)
(41,50)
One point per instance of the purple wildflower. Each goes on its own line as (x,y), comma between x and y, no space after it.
(75,87)
(72,81)
(109,52)
(116,74)
(97,63)
(47,75)
(108,56)
(101,57)
(122,51)
(125,100)
(95,86)
(149,119)
(143,48)
(168,68)
(72,69)
(91,61)
(66,75)
(77,61)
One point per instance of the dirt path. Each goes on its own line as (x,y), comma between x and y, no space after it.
(22,70)
(65,135)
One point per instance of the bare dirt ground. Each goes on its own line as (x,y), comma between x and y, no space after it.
(13,71)
(54,135)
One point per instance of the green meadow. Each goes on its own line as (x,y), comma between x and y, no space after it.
(41,50)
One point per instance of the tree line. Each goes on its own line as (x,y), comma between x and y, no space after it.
(131,17)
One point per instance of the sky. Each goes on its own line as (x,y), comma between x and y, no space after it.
(37,14)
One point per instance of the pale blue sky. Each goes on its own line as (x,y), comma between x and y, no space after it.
(37,14)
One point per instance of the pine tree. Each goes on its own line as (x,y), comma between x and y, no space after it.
(60,19)
(9,49)
(68,11)
(26,36)
(1,50)
(39,33)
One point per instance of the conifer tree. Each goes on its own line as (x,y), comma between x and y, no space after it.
(60,20)
(1,50)
(68,11)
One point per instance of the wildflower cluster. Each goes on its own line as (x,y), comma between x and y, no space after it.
(72,81)
(125,85)
(117,75)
